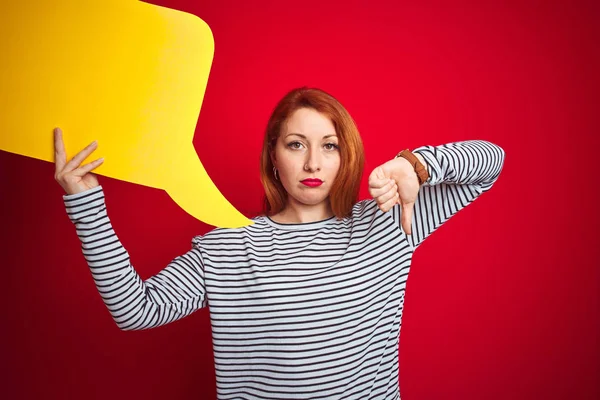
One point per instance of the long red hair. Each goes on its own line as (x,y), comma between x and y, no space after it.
(344,191)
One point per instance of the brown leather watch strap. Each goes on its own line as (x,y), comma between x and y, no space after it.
(419,168)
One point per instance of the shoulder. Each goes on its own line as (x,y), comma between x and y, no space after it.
(224,236)
(367,213)
(365,209)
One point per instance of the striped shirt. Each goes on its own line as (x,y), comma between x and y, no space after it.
(310,310)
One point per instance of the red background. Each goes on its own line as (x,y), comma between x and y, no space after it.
(503,301)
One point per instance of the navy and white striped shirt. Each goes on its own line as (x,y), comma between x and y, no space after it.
(309,310)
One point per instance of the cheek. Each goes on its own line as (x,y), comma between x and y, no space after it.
(334,164)
(289,171)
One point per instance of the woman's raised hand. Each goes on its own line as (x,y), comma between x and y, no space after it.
(395,182)
(72,177)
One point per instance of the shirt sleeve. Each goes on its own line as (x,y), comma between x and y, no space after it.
(458,174)
(175,292)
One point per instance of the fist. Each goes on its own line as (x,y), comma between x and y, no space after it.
(395,182)
(383,189)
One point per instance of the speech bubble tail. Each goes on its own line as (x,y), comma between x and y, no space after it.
(193,190)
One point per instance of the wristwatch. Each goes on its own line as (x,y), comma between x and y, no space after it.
(419,168)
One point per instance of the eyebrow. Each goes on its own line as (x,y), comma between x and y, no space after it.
(302,136)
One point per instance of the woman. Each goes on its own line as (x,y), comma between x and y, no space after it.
(307,301)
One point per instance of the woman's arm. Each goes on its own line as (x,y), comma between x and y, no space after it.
(458,174)
(175,292)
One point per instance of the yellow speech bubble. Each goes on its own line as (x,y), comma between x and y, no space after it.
(126,73)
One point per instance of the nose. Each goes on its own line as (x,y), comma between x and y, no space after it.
(313,162)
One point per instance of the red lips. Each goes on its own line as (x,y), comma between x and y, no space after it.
(312,182)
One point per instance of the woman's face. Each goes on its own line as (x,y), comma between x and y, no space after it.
(307,148)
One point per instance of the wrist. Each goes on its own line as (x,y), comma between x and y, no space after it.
(421,159)
(401,168)
(417,163)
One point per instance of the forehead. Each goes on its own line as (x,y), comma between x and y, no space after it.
(308,122)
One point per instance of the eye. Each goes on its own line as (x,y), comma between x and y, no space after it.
(333,146)
(294,145)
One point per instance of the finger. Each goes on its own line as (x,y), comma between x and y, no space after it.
(389,186)
(60,157)
(390,194)
(389,203)
(378,179)
(407,213)
(376,183)
(84,169)
(79,157)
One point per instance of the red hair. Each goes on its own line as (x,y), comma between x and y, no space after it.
(345,188)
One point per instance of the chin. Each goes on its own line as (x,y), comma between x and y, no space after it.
(311,200)
(309,197)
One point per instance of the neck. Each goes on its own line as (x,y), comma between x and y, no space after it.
(302,213)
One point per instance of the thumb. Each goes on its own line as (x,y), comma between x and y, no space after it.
(379,173)
(407,213)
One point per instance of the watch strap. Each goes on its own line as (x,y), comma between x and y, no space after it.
(419,168)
